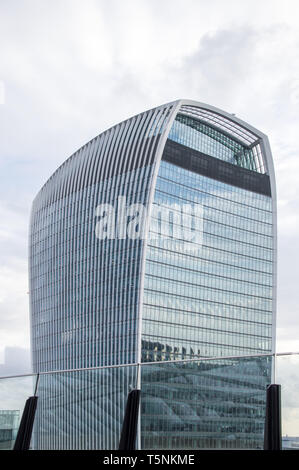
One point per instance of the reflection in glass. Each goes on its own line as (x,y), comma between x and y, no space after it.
(82,409)
(14,392)
(204,405)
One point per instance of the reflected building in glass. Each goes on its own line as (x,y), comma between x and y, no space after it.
(156,241)
(9,424)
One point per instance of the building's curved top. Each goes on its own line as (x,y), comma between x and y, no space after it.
(235,128)
(238,130)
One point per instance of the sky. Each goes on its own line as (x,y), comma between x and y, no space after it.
(69,69)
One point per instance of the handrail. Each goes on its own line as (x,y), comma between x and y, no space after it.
(136,364)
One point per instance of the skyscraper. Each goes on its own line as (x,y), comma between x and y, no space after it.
(156,241)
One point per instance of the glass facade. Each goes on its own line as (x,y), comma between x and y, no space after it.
(214,300)
(217,299)
(208,140)
(200,283)
(82,409)
(217,404)
(87,307)
(84,292)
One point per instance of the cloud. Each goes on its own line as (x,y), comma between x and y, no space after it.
(287,376)
(14,321)
(16,361)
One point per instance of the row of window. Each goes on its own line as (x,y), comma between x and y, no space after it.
(227,193)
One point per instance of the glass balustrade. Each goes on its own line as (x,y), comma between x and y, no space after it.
(207,403)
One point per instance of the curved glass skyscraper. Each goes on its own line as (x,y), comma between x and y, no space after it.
(156,241)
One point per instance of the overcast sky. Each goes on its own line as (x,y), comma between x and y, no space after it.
(69,69)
